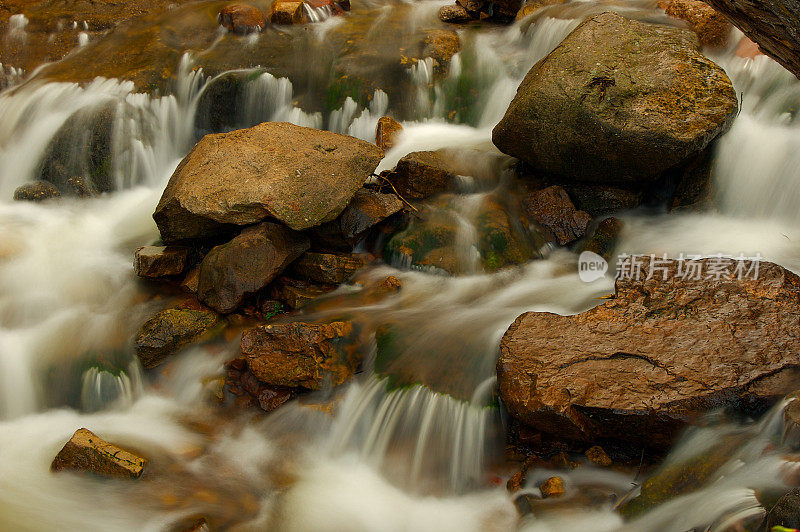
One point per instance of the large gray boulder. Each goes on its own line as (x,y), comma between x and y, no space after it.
(301,176)
(618,102)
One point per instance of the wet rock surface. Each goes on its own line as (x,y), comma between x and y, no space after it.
(37,191)
(330,268)
(247,264)
(300,354)
(300,176)
(657,354)
(367,209)
(160,261)
(552,208)
(85,451)
(786,511)
(617,102)
(710,25)
(386,132)
(242,18)
(171,330)
(421,174)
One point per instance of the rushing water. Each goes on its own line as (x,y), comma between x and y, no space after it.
(418,457)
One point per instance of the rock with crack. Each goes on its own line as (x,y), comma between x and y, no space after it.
(85,451)
(657,354)
(300,176)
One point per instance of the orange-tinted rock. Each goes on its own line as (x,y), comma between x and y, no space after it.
(441,45)
(171,330)
(552,208)
(454,14)
(300,354)
(598,456)
(242,18)
(160,261)
(85,451)
(711,26)
(387,132)
(656,355)
(552,487)
(748,49)
(288,12)
(246,264)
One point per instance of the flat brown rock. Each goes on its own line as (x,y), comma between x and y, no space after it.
(655,355)
(160,261)
(300,176)
(85,451)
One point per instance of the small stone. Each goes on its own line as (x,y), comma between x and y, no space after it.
(552,487)
(421,174)
(297,295)
(191,280)
(514,483)
(36,191)
(85,451)
(563,461)
(330,268)
(287,13)
(598,456)
(387,132)
(603,240)
(271,397)
(160,261)
(552,208)
(171,330)
(454,14)
(242,18)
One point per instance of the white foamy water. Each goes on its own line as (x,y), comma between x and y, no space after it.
(412,457)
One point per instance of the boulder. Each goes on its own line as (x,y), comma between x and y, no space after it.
(242,18)
(368,209)
(600,200)
(330,268)
(711,26)
(770,23)
(786,511)
(300,354)
(300,176)
(36,191)
(617,102)
(454,14)
(552,208)
(160,261)
(171,330)
(246,264)
(85,451)
(684,337)
(288,12)
(386,133)
(421,174)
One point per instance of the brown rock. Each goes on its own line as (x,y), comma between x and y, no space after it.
(297,294)
(171,330)
(600,200)
(454,14)
(421,174)
(598,456)
(288,12)
(618,102)
(552,487)
(474,6)
(160,261)
(386,132)
(657,354)
(242,18)
(330,268)
(441,45)
(191,280)
(247,264)
(603,240)
(87,452)
(271,397)
(300,176)
(368,209)
(711,26)
(300,354)
(552,208)
(37,191)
